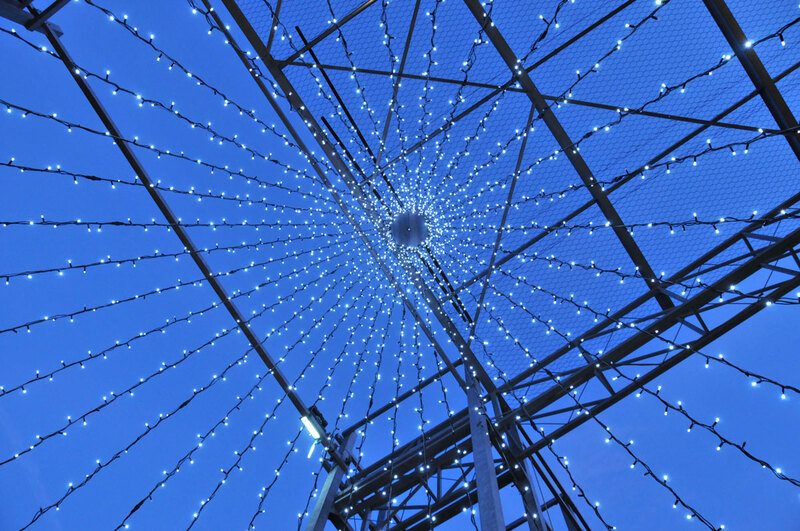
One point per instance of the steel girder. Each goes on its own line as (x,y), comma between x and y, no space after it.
(35,20)
(761,252)
(365,491)
(473,366)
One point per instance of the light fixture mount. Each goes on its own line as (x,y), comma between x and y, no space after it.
(409,229)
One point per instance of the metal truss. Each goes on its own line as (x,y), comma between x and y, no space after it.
(37,21)
(386,494)
(760,251)
(494,440)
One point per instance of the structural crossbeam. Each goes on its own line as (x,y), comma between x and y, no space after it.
(312,417)
(548,97)
(14,10)
(662,367)
(665,319)
(620,182)
(333,27)
(596,24)
(567,147)
(755,69)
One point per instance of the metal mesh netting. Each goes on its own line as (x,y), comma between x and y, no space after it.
(415,111)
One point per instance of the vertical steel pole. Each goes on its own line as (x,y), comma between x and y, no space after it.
(324,505)
(490,508)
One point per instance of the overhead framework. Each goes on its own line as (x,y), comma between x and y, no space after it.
(531,291)
(364,494)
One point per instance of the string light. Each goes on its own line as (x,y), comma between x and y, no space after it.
(453,190)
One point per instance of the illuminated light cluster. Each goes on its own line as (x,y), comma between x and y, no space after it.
(446,195)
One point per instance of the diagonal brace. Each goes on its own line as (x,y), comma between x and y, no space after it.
(567,146)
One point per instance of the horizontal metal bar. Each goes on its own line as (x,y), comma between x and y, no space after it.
(397,400)
(333,27)
(556,99)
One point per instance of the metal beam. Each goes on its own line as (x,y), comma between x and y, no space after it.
(274,25)
(349,116)
(436,271)
(446,440)
(755,70)
(510,255)
(567,146)
(683,273)
(324,505)
(547,97)
(127,152)
(661,368)
(667,321)
(44,16)
(533,510)
(490,507)
(491,512)
(503,220)
(455,502)
(569,511)
(597,23)
(13,10)
(398,76)
(333,27)
(327,147)
(398,399)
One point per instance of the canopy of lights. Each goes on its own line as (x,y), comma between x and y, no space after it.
(399,264)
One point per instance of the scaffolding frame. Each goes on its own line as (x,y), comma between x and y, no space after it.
(504,441)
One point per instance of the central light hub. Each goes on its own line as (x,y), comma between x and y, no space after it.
(409,229)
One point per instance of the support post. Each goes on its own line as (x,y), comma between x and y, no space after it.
(324,505)
(383,519)
(490,508)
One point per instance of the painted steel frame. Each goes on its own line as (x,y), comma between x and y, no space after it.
(361,494)
(366,485)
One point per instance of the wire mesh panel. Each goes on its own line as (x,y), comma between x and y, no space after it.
(254,244)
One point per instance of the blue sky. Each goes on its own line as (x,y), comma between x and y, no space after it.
(321,301)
